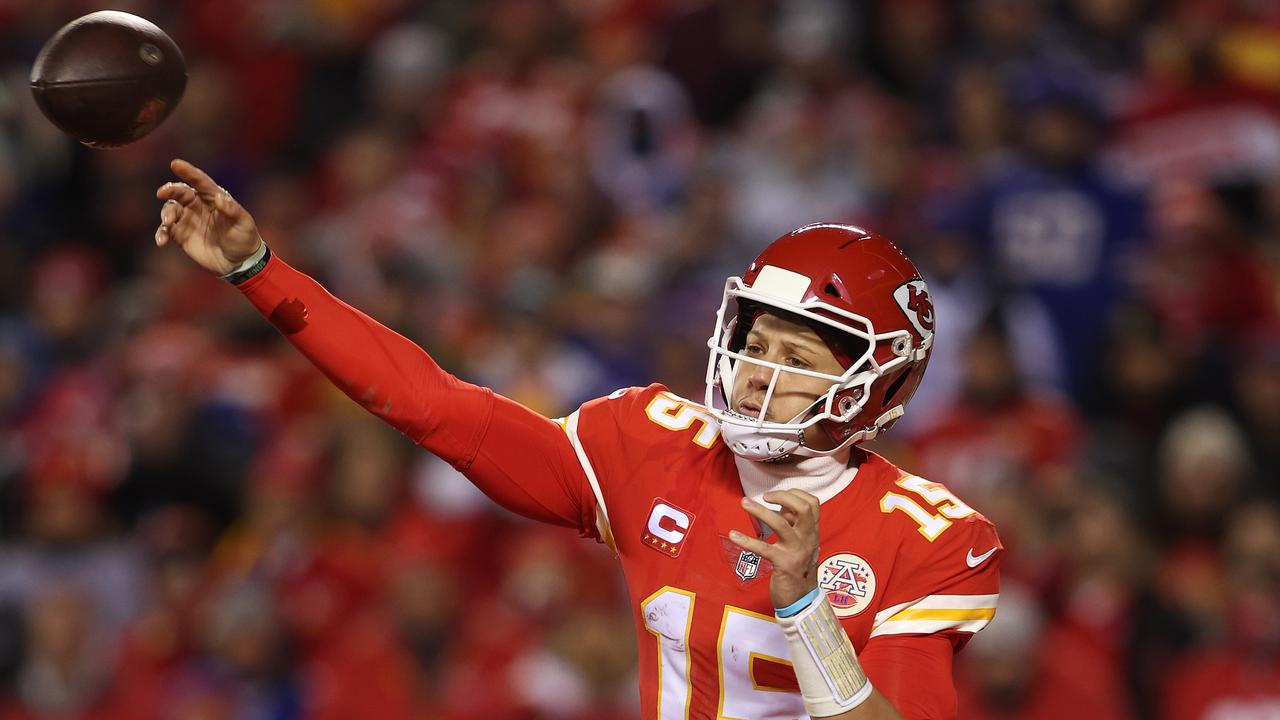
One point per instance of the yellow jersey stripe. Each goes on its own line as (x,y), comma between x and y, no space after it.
(943,614)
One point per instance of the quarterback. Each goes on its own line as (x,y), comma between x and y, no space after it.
(775,569)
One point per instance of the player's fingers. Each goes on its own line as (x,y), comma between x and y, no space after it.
(785,511)
(195,177)
(180,192)
(791,516)
(774,520)
(170,212)
(799,502)
(791,502)
(227,205)
(750,544)
(166,234)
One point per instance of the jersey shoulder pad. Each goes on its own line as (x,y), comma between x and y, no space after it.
(651,414)
(927,514)
(948,558)
(612,410)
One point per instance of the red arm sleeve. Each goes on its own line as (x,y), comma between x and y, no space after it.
(914,673)
(521,460)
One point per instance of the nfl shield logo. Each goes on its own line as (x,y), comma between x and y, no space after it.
(748,565)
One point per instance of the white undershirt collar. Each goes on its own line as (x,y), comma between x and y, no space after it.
(823,476)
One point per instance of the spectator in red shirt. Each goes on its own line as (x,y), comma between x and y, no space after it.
(1240,676)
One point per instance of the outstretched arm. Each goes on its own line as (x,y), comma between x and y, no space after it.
(519,458)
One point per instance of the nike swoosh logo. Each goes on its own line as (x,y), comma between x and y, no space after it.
(974,561)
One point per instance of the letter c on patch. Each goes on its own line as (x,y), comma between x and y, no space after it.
(678,518)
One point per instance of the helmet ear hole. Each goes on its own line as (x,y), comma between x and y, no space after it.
(894,387)
(835,288)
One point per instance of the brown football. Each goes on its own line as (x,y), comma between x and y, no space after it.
(108,78)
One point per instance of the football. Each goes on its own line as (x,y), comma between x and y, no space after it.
(108,78)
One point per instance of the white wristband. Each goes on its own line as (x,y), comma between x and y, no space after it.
(831,679)
(249,261)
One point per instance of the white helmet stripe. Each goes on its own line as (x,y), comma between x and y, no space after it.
(782,284)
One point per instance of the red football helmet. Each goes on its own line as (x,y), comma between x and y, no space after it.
(864,298)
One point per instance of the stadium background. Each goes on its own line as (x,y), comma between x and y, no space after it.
(547,194)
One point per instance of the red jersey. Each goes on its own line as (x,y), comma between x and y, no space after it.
(899,556)
(911,571)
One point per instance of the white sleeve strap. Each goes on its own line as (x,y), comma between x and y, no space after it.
(831,679)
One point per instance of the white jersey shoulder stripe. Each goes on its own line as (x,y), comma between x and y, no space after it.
(890,611)
(571,429)
(928,627)
(934,613)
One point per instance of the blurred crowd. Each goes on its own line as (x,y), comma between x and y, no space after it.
(548,195)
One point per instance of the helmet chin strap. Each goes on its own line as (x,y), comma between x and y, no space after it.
(759,444)
(765,445)
(770,444)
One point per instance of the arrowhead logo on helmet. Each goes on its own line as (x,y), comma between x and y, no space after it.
(914,299)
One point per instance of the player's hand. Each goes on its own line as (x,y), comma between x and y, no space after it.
(205,221)
(795,554)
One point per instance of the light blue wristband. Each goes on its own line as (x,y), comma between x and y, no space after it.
(795,607)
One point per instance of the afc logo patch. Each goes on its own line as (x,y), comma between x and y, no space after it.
(667,527)
(917,304)
(849,583)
